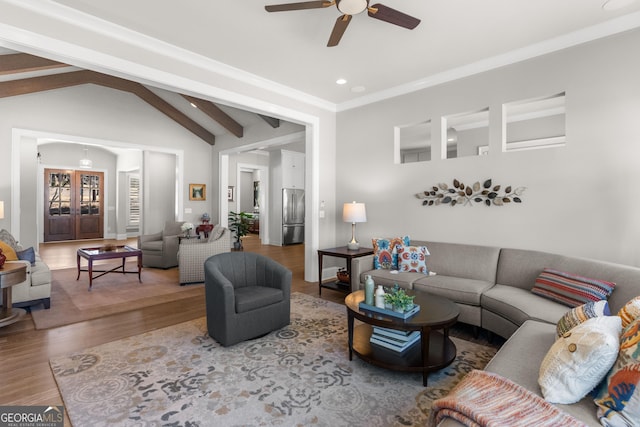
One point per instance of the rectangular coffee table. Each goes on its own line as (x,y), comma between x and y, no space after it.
(108,252)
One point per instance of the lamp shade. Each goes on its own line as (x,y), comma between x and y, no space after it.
(354,212)
(1,209)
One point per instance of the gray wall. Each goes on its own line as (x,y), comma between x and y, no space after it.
(580,199)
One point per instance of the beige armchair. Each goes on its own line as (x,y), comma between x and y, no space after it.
(161,249)
(194,252)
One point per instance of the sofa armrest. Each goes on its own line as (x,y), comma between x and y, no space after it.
(149,238)
(359,266)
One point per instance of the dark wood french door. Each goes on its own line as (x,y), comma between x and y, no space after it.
(74,206)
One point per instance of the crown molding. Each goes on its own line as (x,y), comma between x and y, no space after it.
(93,24)
(595,32)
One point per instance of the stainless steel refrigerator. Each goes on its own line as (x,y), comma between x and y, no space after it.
(292,216)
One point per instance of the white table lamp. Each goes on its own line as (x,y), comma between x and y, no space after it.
(354,212)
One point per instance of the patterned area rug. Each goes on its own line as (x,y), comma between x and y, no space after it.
(300,375)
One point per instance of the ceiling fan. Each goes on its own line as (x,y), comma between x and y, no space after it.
(348,8)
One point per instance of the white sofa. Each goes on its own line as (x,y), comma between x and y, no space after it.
(36,289)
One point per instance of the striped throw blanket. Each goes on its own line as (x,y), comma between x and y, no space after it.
(488,399)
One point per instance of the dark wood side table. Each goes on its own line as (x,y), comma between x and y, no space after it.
(205,228)
(435,350)
(11,274)
(339,252)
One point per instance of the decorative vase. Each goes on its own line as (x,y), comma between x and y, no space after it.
(369,289)
(3,258)
(379,297)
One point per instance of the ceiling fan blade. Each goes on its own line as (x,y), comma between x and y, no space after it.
(298,6)
(387,14)
(338,30)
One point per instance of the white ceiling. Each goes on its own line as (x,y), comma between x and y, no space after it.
(455,38)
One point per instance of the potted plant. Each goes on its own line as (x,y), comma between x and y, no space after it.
(398,299)
(239,225)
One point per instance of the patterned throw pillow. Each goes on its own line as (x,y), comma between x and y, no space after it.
(412,259)
(579,360)
(578,315)
(384,250)
(618,399)
(630,311)
(6,237)
(570,289)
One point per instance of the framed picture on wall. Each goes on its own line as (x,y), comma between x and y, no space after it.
(197,192)
(230,193)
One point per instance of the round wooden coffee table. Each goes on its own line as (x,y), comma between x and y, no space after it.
(435,349)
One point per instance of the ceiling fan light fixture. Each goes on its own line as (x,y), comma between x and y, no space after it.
(352,7)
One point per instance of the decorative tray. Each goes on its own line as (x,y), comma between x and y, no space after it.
(387,312)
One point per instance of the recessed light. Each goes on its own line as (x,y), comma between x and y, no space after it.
(341,81)
(616,4)
(358,89)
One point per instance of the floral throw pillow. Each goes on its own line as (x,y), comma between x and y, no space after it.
(384,250)
(618,398)
(412,259)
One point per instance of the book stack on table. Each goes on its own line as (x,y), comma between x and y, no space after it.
(394,339)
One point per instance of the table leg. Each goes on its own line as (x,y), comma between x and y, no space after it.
(90,268)
(425,338)
(78,262)
(350,329)
(139,268)
(7,304)
(123,259)
(320,274)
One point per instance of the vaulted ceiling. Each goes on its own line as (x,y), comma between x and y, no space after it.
(24,74)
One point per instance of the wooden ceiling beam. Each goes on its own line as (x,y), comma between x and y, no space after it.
(23,62)
(155,101)
(273,122)
(213,111)
(75,78)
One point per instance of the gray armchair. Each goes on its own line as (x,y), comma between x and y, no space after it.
(247,295)
(161,249)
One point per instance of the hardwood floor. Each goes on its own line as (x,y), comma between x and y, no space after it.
(25,351)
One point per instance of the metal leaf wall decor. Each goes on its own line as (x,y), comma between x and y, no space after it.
(460,193)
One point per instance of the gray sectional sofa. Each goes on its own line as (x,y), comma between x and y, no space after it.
(492,286)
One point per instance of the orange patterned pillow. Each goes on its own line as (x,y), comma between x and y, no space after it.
(385,255)
(630,311)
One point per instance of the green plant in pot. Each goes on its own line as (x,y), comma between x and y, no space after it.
(398,299)
(239,225)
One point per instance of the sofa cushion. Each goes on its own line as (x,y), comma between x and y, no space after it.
(412,259)
(465,291)
(384,251)
(519,358)
(578,315)
(8,251)
(40,274)
(618,400)
(250,298)
(570,289)
(577,362)
(152,245)
(391,277)
(460,260)
(630,311)
(518,305)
